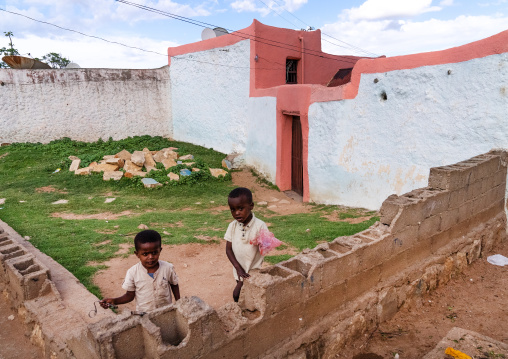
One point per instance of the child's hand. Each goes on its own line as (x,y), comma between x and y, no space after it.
(241,273)
(107,303)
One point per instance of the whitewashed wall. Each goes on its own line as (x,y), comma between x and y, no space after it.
(83,104)
(364,149)
(210,93)
(261,149)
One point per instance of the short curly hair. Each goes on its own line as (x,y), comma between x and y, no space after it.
(241,191)
(147,236)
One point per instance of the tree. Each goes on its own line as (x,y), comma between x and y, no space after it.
(11,51)
(55,60)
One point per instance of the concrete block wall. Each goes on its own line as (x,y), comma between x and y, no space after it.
(84,104)
(311,305)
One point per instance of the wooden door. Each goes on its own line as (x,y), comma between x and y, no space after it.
(297,157)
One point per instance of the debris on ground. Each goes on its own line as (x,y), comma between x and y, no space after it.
(141,163)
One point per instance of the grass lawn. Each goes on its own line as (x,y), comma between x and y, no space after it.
(181,212)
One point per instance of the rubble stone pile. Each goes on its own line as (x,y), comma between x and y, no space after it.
(140,164)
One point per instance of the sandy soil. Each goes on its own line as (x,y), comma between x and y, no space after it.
(476,300)
(194,262)
(13,342)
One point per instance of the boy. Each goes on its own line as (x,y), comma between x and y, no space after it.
(148,280)
(242,255)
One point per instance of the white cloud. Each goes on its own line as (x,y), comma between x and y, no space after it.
(389,9)
(268,6)
(131,13)
(446,3)
(96,53)
(411,36)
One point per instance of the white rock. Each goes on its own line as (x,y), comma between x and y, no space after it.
(142,226)
(138,158)
(114,175)
(61,201)
(10,317)
(2,200)
(262,203)
(109,200)
(75,165)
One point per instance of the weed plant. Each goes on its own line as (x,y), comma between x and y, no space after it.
(182,211)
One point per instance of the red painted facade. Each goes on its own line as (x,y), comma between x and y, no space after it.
(271,46)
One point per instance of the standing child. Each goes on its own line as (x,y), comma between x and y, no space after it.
(242,255)
(150,280)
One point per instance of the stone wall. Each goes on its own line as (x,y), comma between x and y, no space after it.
(311,305)
(83,104)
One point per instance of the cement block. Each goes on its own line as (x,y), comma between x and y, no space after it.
(435,203)
(409,215)
(449,177)
(26,275)
(328,301)
(389,209)
(473,190)
(465,211)
(337,269)
(362,282)
(449,219)
(430,226)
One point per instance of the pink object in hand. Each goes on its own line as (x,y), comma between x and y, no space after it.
(266,241)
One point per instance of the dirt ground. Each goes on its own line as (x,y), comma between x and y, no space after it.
(476,300)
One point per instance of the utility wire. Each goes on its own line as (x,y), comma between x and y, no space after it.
(353,47)
(238,33)
(132,47)
(78,32)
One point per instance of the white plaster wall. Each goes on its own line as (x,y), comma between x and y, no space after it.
(83,104)
(210,93)
(364,149)
(261,148)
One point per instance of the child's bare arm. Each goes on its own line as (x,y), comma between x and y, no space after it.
(176,291)
(126,298)
(231,256)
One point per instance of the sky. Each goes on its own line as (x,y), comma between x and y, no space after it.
(361,28)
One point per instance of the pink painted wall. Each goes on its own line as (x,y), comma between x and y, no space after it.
(267,76)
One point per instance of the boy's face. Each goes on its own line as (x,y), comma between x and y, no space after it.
(148,254)
(241,209)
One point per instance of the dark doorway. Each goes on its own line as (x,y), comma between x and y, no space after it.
(297,157)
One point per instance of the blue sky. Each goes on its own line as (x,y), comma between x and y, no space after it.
(382,27)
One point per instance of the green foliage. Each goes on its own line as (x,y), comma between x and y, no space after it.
(278,258)
(55,60)
(11,51)
(183,211)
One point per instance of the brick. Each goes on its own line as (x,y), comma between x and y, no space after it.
(323,304)
(457,198)
(339,269)
(429,227)
(420,251)
(435,203)
(404,239)
(280,326)
(362,282)
(450,177)
(439,241)
(409,215)
(479,204)
(449,219)
(389,209)
(490,165)
(465,211)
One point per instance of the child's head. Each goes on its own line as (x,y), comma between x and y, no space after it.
(240,204)
(148,246)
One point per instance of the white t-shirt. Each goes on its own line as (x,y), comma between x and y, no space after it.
(239,235)
(151,293)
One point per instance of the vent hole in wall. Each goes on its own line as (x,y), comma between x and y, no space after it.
(449,72)
(376,81)
(383,96)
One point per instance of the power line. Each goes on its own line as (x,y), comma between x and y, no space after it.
(78,32)
(353,47)
(238,33)
(119,43)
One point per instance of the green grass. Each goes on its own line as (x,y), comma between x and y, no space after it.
(278,258)
(184,211)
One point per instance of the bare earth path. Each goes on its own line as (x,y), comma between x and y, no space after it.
(476,300)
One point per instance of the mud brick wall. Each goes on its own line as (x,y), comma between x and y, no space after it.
(311,305)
